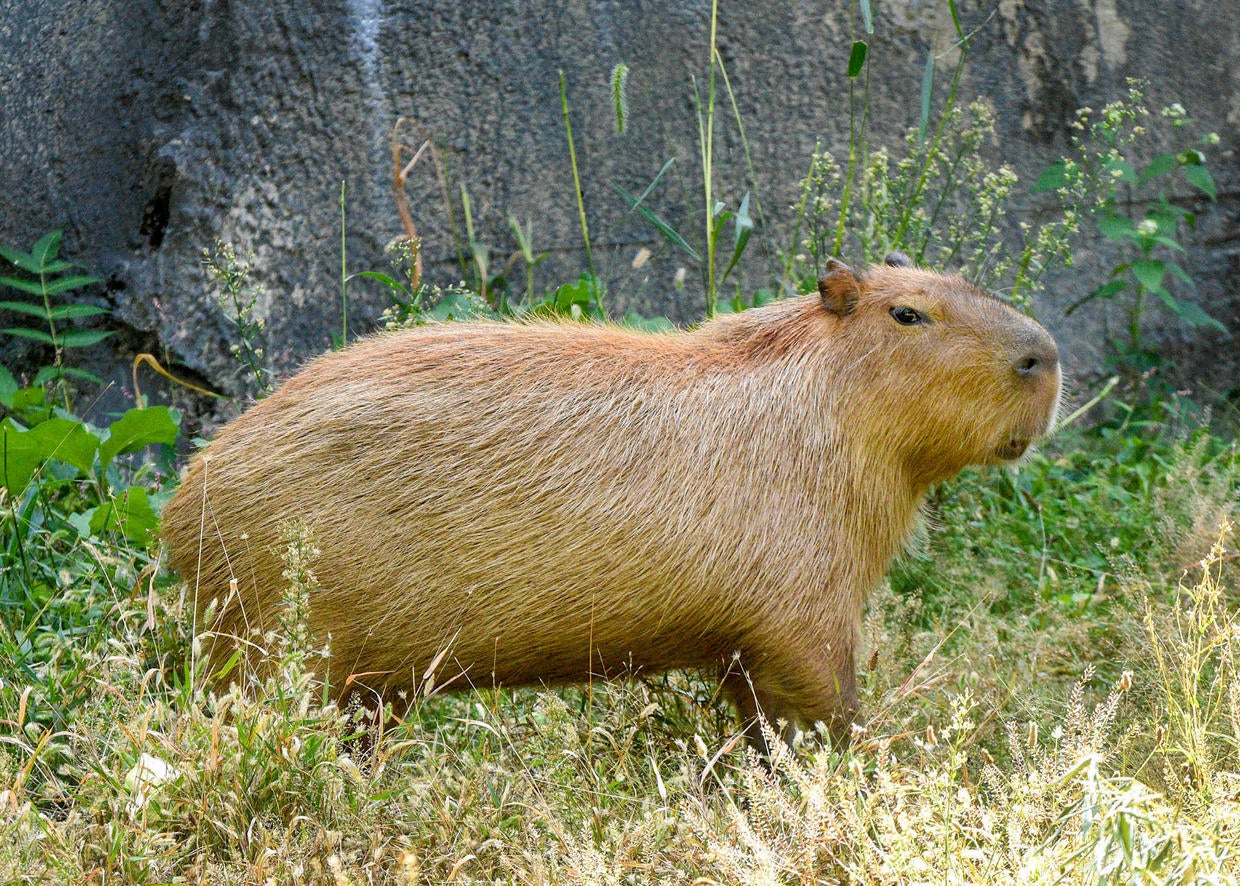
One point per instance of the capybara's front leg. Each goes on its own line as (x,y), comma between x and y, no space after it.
(792,691)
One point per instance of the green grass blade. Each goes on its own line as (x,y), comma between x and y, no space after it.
(951,4)
(668,232)
(927,90)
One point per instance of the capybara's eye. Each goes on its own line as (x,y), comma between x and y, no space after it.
(908,316)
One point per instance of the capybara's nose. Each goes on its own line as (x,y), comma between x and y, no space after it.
(1038,356)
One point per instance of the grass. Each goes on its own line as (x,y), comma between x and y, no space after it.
(1050,695)
(1049,688)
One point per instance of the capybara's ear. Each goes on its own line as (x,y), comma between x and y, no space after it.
(839,288)
(898,260)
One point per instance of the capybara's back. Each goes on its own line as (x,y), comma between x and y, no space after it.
(548,502)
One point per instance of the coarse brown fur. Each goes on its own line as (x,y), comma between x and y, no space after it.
(550,502)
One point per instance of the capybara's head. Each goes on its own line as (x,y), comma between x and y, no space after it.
(949,375)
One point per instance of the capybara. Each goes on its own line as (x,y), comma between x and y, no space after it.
(549,502)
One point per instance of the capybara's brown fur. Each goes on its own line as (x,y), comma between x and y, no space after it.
(550,502)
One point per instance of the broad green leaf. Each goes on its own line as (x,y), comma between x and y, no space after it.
(1195,316)
(25,307)
(64,284)
(28,398)
(1175,305)
(45,250)
(1160,165)
(1053,177)
(648,324)
(23,451)
(1199,178)
(81,521)
(1149,273)
(130,513)
(1116,227)
(137,429)
(856,58)
(34,334)
(81,338)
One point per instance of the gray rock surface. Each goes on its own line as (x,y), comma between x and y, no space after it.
(152,130)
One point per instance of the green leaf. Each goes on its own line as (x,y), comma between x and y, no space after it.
(1199,178)
(67,312)
(20,259)
(45,250)
(744,227)
(1149,273)
(1179,273)
(64,284)
(867,18)
(1195,316)
(1052,178)
(137,429)
(387,281)
(30,286)
(130,513)
(50,373)
(25,307)
(1105,291)
(28,398)
(57,267)
(23,451)
(1126,172)
(648,324)
(8,387)
(669,233)
(1160,165)
(856,58)
(81,338)
(34,334)
(1115,227)
(927,90)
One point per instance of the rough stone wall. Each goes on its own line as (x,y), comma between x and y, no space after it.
(151,130)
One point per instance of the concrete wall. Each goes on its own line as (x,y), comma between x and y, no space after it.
(152,130)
